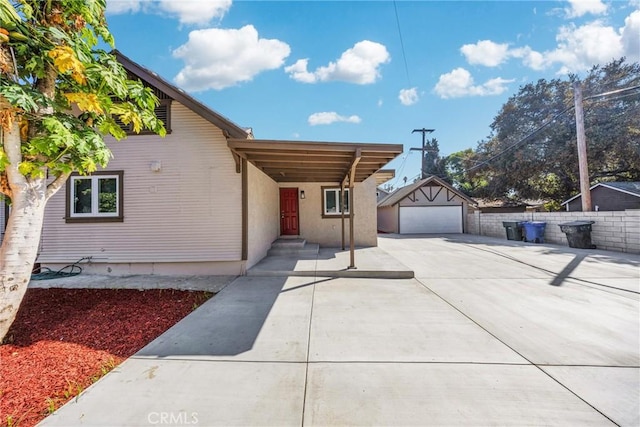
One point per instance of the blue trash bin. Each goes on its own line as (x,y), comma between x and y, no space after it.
(534,231)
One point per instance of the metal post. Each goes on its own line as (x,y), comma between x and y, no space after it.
(582,149)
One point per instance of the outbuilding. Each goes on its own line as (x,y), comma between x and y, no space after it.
(428,206)
(608,196)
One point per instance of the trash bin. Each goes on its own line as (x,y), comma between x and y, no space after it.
(534,231)
(578,234)
(513,229)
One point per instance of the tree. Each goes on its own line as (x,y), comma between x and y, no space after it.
(59,94)
(433,163)
(457,164)
(531,152)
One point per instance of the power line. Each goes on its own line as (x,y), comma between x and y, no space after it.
(613,92)
(548,122)
(404,56)
(520,141)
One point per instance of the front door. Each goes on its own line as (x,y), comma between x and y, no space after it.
(289,212)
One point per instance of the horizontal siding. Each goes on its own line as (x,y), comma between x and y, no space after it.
(189,211)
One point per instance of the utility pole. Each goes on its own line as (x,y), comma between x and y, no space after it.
(582,149)
(423,149)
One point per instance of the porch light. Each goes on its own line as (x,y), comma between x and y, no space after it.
(302,196)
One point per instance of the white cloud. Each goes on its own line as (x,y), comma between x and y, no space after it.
(196,12)
(359,64)
(530,57)
(117,7)
(408,96)
(630,36)
(298,71)
(219,58)
(485,52)
(459,83)
(578,48)
(582,7)
(380,102)
(329,117)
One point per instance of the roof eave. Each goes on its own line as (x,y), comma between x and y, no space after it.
(231,129)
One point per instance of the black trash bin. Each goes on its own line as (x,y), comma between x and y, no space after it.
(578,234)
(513,229)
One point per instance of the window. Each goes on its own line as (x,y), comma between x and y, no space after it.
(95,198)
(332,202)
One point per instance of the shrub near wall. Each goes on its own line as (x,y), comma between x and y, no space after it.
(612,230)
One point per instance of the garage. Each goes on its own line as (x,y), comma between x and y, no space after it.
(430,219)
(428,206)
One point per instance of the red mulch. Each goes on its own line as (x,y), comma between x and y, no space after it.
(63,340)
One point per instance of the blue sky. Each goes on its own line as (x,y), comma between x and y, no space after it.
(370,71)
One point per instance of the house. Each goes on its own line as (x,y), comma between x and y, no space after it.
(209,198)
(608,196)
(427,206)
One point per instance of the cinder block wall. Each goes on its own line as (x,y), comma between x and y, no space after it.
(615,231)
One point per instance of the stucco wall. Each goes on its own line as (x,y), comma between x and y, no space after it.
(188,212)
(327,231)
(263,215)
(614,230)
(388,219)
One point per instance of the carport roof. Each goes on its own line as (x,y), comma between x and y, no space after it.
(298,161)
(401,193)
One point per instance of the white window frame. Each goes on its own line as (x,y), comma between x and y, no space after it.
(95,179)
(339,201)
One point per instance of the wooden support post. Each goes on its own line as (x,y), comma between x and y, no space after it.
(582,149)
(352,244)
(342,212)
(352,179)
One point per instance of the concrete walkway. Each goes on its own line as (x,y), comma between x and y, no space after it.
(490,332)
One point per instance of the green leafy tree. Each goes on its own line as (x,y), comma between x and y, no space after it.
(434,164)
(456,166)
(524,159)
(59,94)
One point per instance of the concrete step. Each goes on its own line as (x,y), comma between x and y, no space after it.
(307,249)
(289,243)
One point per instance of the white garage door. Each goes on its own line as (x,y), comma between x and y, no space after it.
(430,219)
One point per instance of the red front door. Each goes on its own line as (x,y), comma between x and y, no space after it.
(289,212)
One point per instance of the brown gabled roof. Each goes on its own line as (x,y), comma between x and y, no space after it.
(404,192)
(228,127)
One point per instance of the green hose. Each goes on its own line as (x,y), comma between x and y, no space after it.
(66,271)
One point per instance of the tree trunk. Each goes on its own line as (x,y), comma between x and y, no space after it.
(20,244)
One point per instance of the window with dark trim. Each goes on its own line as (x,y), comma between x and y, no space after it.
(95,198)
(332,202)
(163,113)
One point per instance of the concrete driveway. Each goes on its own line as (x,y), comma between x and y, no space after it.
(490,332)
